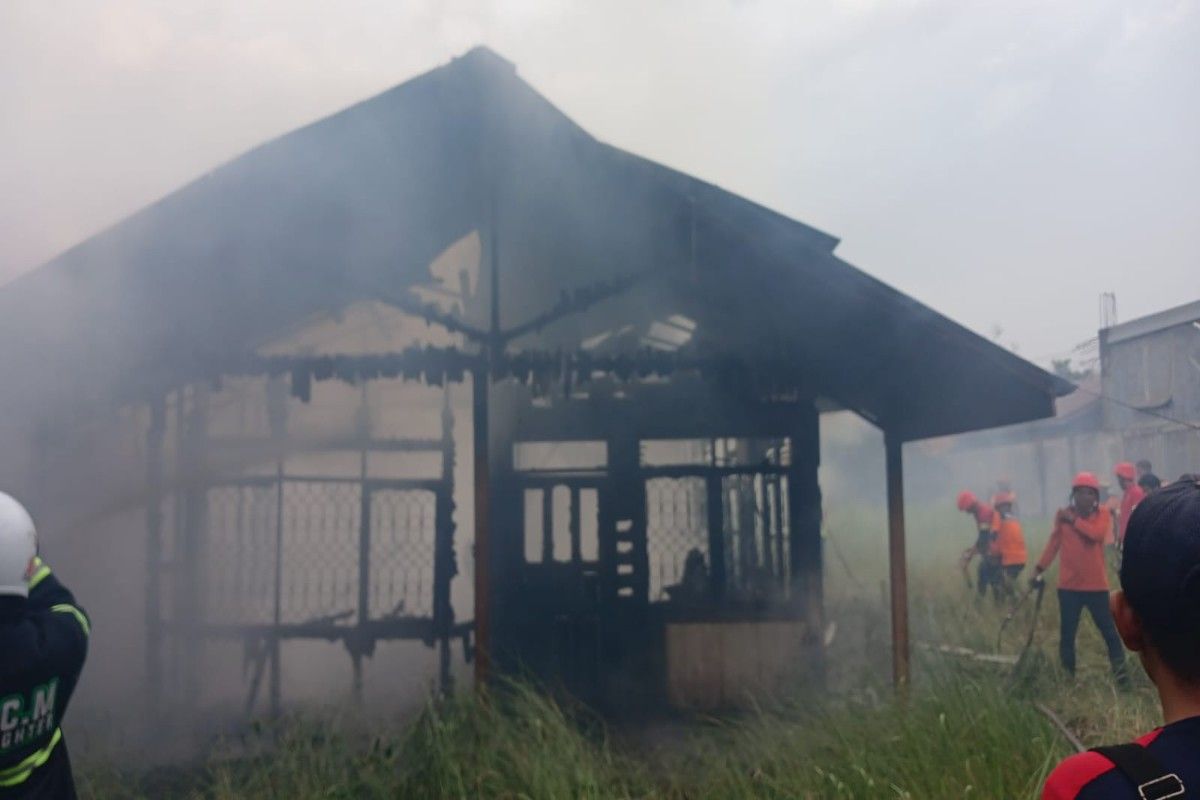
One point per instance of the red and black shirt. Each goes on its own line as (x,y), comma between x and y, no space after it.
(1091,776)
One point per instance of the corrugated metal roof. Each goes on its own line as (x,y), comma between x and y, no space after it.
(1152,323)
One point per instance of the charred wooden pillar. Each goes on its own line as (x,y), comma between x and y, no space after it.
(897,559)
(444,565)
(154,558)
(627,505)
(483,509)
(172,569)
(745,520)
(486,554)
(714,501)
(762,502)
(277,421)
(805,562)
(1039,455)
(189,560)
(625,650)
(362,426)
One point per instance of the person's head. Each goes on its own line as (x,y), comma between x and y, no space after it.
(1149,482)
(1126,474)
(1085,494)
(967,501)
(1004,501)
(18,547)
(1157,610)
(1144,467)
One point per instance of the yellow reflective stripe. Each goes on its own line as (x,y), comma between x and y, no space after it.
(67,608)
(19,773)
(39,573)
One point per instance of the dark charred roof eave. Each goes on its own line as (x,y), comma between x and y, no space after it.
(787,257)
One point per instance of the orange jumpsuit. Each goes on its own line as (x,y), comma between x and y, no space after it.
(1081,545)
(1083,583)
(1133,495)
(1010,542)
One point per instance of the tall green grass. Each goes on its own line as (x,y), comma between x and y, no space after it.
(964,736)
(965,728)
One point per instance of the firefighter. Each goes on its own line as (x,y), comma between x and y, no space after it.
(43,643)
(1146,477)
(985,543)
(1131,495)
(1010,541)
(1004,486)
(1157,614)
(1078,535)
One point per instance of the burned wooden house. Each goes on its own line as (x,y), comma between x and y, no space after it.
(444,368)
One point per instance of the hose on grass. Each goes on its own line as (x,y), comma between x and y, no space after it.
(1056,720)
(1040,588)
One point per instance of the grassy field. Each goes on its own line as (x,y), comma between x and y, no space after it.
(966,729)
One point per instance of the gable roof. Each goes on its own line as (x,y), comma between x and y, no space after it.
(361,202)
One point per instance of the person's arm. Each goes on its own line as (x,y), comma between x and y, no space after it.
(1051,550)
(45,590)
(67,626)
(1139,494)
(1094,528)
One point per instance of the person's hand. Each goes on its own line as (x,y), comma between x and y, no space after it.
(1065,515)
(1037,580)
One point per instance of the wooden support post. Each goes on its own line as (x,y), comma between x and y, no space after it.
(364,576)
(547,524)
(805,565)
(483,549)
(481,411)
(574,526)
(277,420)
(716,537)
(781,531)
(275,697)
(897,559)
(189,561)
(1039,455)
(444,567)
(154,561)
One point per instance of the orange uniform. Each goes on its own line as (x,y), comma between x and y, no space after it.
(1133,495)
(1081,543)
(985,517)
(1010,542)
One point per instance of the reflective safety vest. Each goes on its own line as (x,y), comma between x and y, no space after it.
(43,644)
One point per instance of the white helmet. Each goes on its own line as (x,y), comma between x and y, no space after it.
(18,546)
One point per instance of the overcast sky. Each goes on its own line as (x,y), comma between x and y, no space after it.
(1004,162)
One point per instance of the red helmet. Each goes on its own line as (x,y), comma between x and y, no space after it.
(966,500)
(1126,470)
(1004,497)
(1085,480)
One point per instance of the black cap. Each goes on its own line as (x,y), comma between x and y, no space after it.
(1160,565)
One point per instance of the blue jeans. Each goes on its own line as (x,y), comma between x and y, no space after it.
(1071,604)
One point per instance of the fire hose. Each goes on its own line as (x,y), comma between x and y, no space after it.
(964,563)
(1038,587)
